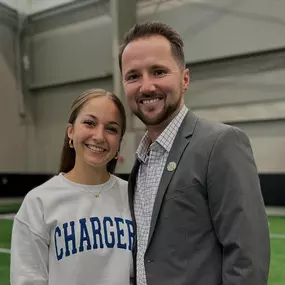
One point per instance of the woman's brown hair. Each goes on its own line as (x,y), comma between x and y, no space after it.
(67,160)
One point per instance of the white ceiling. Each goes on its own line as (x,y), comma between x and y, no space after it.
(33,6)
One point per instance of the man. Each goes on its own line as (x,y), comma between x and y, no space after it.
(199,212)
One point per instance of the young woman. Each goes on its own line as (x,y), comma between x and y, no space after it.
(76,228)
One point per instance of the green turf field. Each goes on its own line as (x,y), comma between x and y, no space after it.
(9,208)
(277,230)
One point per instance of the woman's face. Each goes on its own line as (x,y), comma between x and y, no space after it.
(96,132)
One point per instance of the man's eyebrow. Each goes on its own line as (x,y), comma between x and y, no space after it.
(156,66)
(131,71)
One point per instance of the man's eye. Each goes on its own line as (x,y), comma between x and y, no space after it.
(159,72)
(132,77)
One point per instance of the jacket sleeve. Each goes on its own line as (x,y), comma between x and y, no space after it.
(238,211)
(29,248)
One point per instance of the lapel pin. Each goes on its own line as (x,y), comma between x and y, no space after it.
(171,166)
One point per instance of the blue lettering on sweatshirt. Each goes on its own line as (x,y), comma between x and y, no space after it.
(94,233)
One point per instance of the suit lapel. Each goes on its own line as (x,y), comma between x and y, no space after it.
(131,192)
(131,188)
(181,141)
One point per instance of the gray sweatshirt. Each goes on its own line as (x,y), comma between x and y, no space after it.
(64,235)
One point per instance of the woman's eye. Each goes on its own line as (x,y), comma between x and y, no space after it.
(89,123)
(113,130)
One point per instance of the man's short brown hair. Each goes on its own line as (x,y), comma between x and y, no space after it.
(152,28)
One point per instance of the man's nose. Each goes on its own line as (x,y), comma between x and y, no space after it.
(147,86)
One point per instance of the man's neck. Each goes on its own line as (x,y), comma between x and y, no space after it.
(155,131)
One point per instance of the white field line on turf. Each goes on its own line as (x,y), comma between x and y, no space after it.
(277,236)
(7,216)
(5,250)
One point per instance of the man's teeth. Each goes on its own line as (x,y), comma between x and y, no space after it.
(150,101)
(95,148)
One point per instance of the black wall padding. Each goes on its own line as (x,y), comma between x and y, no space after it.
(273,189)
(18,185)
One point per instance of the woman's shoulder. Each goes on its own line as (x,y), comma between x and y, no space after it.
(40,190)
(31,211)
(121,182)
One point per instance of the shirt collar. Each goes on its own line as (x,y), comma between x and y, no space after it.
(143,147)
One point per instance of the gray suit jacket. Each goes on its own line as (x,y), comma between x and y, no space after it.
(209,225)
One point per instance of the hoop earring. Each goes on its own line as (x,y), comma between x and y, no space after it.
(117,155)
(70,144)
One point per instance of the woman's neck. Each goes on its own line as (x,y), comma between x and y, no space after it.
(88,175)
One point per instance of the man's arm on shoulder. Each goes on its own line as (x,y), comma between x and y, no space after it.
(237,210)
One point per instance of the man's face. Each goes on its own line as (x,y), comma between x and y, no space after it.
(153,81)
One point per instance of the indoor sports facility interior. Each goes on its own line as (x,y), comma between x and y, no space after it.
(53,50)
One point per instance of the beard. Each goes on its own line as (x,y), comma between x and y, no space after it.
(164,115)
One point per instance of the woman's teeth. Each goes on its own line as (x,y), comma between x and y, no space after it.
(95,148)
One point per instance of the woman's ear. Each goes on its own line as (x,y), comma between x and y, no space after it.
(70,131)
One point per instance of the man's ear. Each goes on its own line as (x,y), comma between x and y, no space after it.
(186,79)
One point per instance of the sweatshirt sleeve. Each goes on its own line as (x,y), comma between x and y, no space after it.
(29,245)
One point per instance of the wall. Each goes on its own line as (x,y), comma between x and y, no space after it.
(36,6)
(234,49)
(51,114)
(247,92)
(13,147)
(32,6)
(73,51)
(268,141)
(9,3)
(210,30)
